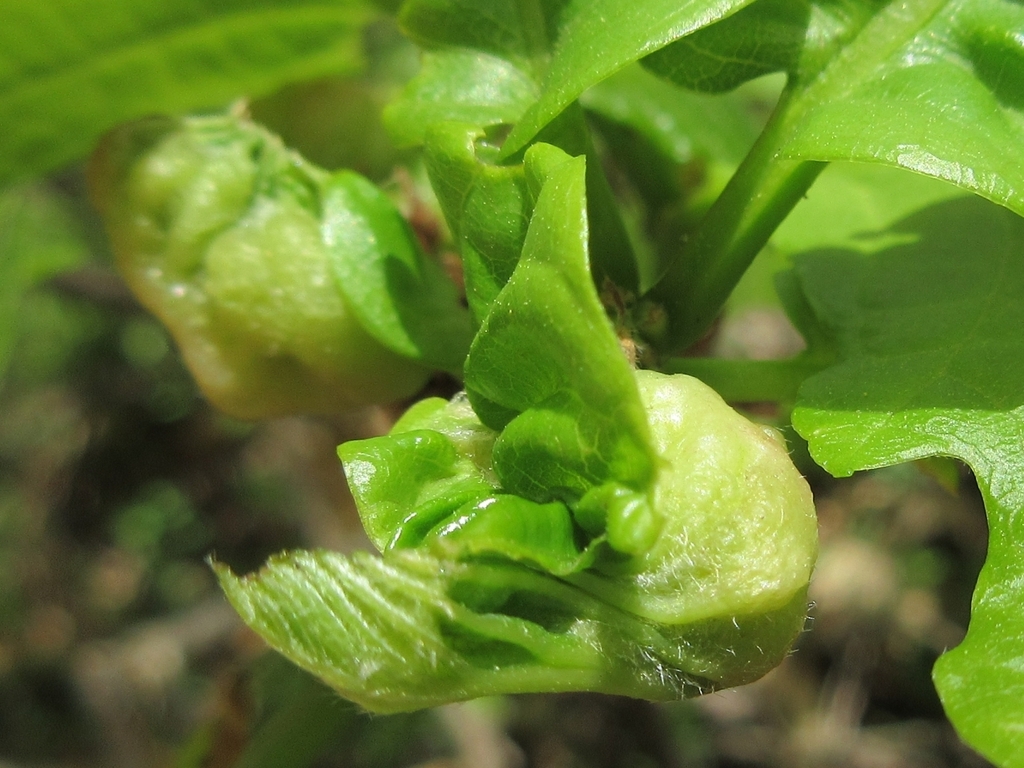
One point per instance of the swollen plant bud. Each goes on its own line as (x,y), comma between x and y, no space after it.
(218,230)
(481,592)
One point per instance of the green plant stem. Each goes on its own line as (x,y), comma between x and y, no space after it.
(683,304)
(751,381)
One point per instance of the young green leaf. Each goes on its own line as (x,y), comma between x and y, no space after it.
(546,361)
(482,63)
(434,461)
(69,71)
(514,528)
(411,631)
(548,44)
(546,366)
(930,351)
(218,229)
(622,32)
(431,482)
(459,85)
(514,42)
(402,298)
(487,207)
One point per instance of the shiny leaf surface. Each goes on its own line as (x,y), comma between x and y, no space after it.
(930,347)
(404,299)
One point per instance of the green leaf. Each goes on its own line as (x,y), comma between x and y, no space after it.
(518,31)
(487,207)
(792,36)
(412,631)
(482,65)
(495,205)
(401,297)
(528,35)
(943,82)
(930,349)
(547,44)
(37,240)
(941,79)
(546,367)
(514,528)
(431,481)
(436,459)
(459,85)
(406,484)
(69,71)
(682,124)
(612,254)
(622,32)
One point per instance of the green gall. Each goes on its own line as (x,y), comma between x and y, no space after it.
(739,531)
(218,230)
(480,591)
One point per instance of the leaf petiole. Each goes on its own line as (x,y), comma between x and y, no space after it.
(758,197)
